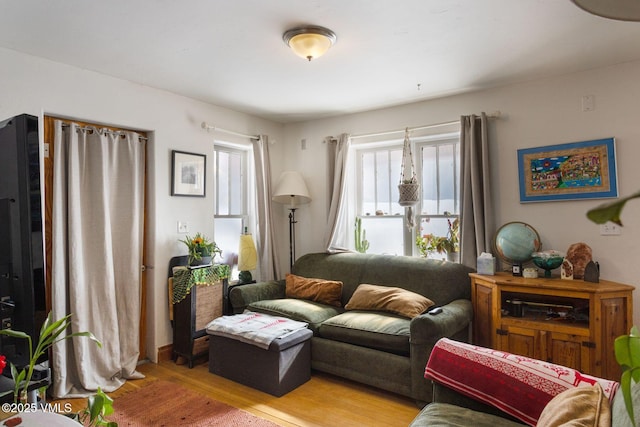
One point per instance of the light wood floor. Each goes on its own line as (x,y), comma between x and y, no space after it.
(323,401)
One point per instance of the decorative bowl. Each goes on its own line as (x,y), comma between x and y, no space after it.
(548,260)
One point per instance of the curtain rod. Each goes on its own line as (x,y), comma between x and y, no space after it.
(105,130)
(207,127)
(494,115)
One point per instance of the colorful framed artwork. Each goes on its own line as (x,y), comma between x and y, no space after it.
(188,174)
(577,170)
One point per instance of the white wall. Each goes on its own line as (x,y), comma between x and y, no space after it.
(537,113)
(36,86)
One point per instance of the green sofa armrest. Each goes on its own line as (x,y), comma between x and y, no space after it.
(425,330)
(241,296)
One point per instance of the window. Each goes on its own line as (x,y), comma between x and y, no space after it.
(232,192)
(439,169)
(437,161)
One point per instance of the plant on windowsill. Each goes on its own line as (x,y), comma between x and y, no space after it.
(201,250)
(362,244)
(429,243)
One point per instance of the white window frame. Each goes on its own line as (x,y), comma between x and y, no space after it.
(418,142)
(243,166)
(437,140)
(246,217)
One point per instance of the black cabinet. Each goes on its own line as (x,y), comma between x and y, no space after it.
(22,287)
(194,310)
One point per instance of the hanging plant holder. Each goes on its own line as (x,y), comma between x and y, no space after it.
(409,194)
(408,189)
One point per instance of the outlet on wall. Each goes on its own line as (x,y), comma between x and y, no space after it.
(588,103)
(610,229)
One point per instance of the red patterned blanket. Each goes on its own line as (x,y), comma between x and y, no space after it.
(517,385)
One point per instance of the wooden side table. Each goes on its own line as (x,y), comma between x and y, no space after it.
(196,299)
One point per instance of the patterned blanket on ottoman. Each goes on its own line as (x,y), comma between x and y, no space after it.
(254,328)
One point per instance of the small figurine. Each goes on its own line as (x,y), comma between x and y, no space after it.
(566,270)
(579,254)
(592,272)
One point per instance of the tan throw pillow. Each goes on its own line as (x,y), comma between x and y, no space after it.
(319,290)
(384,298)
(577,407)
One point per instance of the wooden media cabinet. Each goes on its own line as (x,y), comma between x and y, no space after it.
(567,322)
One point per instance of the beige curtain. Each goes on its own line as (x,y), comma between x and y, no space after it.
(265,236)
(336,221)
(476,211)
(97,256)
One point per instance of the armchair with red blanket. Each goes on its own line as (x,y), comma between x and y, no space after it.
(480,386)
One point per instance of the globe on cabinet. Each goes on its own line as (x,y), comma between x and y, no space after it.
(515,243)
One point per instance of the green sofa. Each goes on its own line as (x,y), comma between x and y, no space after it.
(375,348)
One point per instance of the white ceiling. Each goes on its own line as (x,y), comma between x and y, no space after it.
(230,52)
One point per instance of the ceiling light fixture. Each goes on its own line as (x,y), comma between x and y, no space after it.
(309,42)
(621,10)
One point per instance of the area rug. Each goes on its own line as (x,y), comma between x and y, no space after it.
(163,403)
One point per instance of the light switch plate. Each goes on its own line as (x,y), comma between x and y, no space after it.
(183,227)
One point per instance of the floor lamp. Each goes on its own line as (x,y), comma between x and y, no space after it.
(291,190)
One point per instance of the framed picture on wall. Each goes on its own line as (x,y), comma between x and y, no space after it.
(188,172)
(577,170)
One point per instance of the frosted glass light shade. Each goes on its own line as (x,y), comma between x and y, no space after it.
(622,10)
(291,189)
(247,254)
(309,42)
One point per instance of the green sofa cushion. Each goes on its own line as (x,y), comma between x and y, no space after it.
(381,331)
(446,415)
(314,313)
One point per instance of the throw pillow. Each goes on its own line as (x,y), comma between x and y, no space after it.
(318,290)
(393,300)
(577,407)
(518,385)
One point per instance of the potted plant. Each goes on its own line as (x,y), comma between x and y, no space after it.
(98,405)
(626,347)
(201,250)
(50,333)
(362,244)
(449,244)
(409,192)
(627,351)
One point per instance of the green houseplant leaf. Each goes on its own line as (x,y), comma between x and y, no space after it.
(98,406)
(610,211)
(627,352)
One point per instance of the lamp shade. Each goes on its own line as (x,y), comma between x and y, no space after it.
(291,189)
(247,255)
